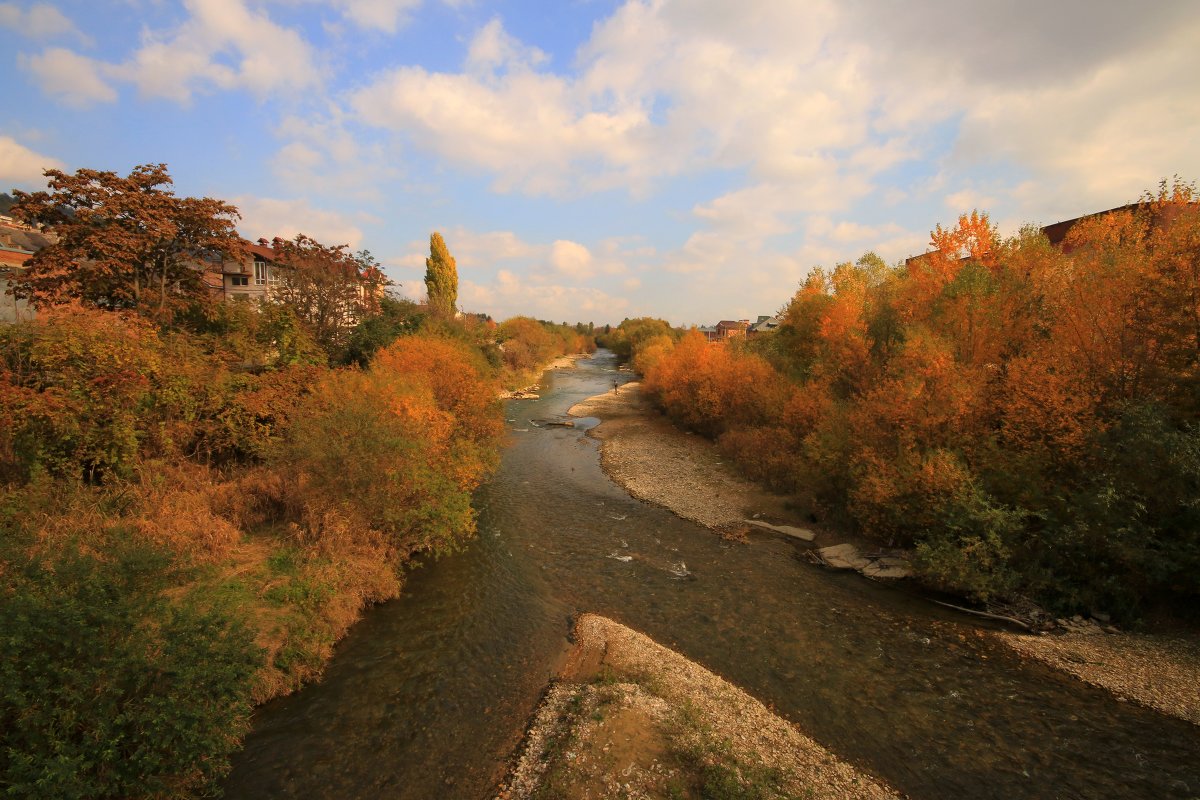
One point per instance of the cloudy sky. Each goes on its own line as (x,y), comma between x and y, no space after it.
(591,160)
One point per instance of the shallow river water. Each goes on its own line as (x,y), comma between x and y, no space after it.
(428,695)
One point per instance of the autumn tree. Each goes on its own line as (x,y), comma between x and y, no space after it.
(329,288)
(123,242)
(441,277)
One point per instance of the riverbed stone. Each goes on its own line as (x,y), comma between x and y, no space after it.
(843,556)
(788,530)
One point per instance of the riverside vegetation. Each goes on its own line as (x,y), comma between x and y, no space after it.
(198,498)
(1022,417)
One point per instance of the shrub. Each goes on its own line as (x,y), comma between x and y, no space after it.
(400,446)
(107,690)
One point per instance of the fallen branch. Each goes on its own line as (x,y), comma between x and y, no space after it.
(1024,625)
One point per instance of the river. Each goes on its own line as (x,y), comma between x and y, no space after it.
(427,696)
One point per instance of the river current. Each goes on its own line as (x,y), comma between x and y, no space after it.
(428,695)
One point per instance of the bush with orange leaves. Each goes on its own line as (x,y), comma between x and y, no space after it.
(398,447)
(1024,416)
(712,388)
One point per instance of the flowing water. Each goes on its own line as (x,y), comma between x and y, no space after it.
(427,696)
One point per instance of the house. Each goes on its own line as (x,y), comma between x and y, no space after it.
(763,325)
(731,329)
(249,278)
(17,243)
(709,331)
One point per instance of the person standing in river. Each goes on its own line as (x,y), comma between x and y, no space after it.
(615,387)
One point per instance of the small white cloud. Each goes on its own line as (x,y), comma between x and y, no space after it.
(493,48)
(266,218)
(966,200)
(571,258)
(23,167)
(383,15)
(77,80)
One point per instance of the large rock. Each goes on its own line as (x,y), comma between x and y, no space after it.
(843,556)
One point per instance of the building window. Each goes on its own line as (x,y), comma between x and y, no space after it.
(260,273)
(240,280)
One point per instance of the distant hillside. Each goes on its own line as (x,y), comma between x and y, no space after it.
(7,201)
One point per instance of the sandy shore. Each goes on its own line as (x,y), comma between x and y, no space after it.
(642,451)
(631,718)
(655,461)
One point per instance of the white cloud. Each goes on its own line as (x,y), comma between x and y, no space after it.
(38,21)
(384,15)
(265,217)
(322,151)
(493,48)
(473,249)
(222,45)
(1099,139)
(23,167)
(509,294)
(571,258)
(965,200)
(77,80)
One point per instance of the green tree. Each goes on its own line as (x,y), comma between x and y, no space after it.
(441,277)
(123,243)
(397,317)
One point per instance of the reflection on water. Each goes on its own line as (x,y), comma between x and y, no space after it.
(428,695)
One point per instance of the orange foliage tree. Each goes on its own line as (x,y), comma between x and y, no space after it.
(123,242)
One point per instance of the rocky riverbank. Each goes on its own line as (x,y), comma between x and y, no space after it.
(631,718)
(1159,672)
(656,462)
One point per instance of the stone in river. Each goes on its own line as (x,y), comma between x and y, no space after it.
(788,530)
(843,556)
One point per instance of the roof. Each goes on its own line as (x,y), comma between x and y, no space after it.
(260,250)
(1057,232)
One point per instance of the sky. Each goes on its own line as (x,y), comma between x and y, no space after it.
(591,160)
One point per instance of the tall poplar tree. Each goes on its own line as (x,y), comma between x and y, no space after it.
(441,278)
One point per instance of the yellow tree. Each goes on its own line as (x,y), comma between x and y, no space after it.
(441,278)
